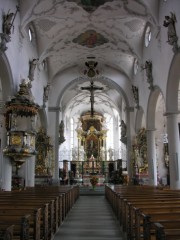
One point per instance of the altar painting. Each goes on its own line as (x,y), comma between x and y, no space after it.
(92,146)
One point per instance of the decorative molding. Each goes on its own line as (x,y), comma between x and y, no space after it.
(54,109)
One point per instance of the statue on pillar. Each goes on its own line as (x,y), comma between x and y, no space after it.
(169,22)
(46,93)
(123,128)
(32,67)
(123,132)
(8,21)
(61,132)
(110,153)
(148,67)
(135,91)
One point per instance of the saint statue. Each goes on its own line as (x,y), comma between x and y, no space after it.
(46,93)
(8,23)
(110,153)
(135,91)
(123,129)
(32,66)
(169,22)
(61,132)
(148,67)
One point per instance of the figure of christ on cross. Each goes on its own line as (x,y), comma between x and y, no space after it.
(92,88)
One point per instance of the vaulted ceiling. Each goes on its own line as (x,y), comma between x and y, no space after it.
(72,32)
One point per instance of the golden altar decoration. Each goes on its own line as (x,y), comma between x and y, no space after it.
(91,135)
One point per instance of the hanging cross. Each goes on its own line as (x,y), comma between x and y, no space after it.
(92,88)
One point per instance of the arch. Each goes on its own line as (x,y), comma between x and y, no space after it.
(173,85)
(103,80)
(151,108)
(139,118)
(6,77)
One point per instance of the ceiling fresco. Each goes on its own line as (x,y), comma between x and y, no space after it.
(71,32)
(90,39)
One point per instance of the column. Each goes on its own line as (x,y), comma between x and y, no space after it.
(54,112)
(29,171)
(129,117)
(65,168)
(151,157)
(174,149)
(7,175)
(6,165)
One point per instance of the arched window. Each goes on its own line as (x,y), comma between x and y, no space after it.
(148,36)
(110,133)
(30,34)
(136,66)
(72,132)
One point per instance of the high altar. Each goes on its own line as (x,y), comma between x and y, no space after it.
(91,157)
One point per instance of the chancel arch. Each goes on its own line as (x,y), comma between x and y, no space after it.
(91,149)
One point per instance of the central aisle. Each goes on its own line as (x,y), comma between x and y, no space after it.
(91,218)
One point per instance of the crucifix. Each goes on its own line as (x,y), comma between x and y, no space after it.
(92,88)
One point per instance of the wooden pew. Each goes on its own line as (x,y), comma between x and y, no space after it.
(167,230)
(29,206)
(6,231)
(47,216)
(148,220)
(127,217)
(34,220)
(147,206)
(21,229)
(63,199)
(124,198)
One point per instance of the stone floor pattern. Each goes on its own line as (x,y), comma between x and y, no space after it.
(91,218)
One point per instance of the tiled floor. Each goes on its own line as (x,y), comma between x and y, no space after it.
(91,218)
